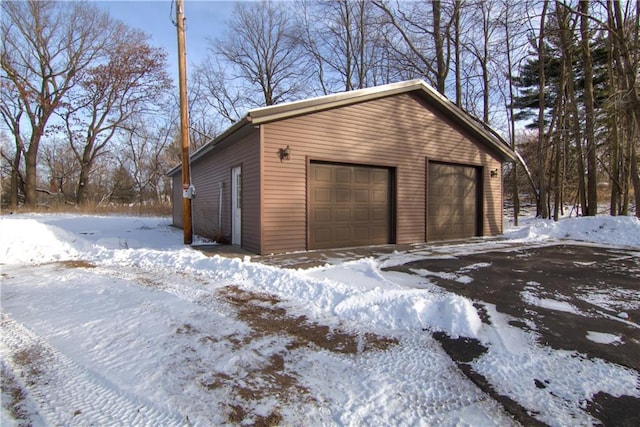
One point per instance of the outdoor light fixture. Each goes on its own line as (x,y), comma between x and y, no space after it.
(284,153)
(494,173)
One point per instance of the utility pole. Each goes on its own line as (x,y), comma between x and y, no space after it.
(184,125)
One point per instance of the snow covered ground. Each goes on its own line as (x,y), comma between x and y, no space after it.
(112,321)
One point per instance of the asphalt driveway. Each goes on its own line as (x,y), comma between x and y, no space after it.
(580,298)
(576,297)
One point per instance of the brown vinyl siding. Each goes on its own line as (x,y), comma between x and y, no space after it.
(401,131)
(206,175)
(176,181)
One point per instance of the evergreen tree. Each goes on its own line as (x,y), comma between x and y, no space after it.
(124,187)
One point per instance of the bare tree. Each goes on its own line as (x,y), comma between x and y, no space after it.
(510,19)
(12,111)
(479,46)
(131,80)
(589,132)
(457,48)
(46,46)
(62,167)
(344,43)
(542,207)
(144,154)
(204,123)
(258,62)
(212,87)
(425,51)
(625,35)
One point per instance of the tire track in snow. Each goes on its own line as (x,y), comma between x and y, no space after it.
(68,394)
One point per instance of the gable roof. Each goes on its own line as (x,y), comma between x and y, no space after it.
(273,113)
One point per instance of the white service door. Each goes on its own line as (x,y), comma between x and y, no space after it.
(236,206)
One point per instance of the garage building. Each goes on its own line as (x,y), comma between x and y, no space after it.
(398,163)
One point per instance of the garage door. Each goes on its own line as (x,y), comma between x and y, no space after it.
(452,202)
(348,206)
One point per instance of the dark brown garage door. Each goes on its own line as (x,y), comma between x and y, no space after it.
(452,202)
(348,206)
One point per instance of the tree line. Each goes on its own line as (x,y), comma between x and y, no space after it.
(558,79)
(83,99)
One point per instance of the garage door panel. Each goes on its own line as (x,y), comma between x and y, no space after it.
(321,215)
(321,195)
(358,202)
(361,195)
(343,175)
(361,214)
(380,177)
(322,174)
(342,195)
(322,235)
(341,233)
(361,233)
(341,215)
(362,176)
(452,201)
(379,196)
(379,214)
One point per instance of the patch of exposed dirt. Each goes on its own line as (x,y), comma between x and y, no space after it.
(30,360)
(75,264)
(263,313)
(237,415)
(14,397)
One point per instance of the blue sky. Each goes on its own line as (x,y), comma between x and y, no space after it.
(205,19)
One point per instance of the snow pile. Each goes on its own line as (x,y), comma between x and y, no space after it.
(28,241)
(618,230)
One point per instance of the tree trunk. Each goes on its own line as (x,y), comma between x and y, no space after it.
(82,191)
(30,172)
(589,110)
(456,47)
(626,166)
(514,182)
(86,164)
(441,66)
(348,45)
(566,35)
(635,176)
(560,136)
(485,60)
(614,137)
(15,175)
(362,42)
(542,209)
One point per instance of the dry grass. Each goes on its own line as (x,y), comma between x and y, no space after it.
(30,359)
(94,209)
(75,264)
(13,397)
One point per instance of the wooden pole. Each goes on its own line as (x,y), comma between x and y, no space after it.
(184,124)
